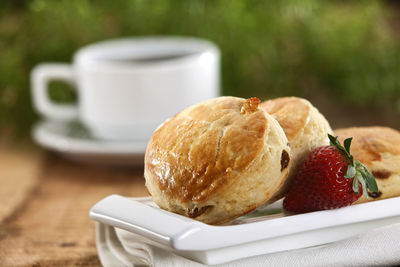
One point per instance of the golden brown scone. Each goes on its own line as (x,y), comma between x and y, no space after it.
(217,160)
(378,148)
(305,128)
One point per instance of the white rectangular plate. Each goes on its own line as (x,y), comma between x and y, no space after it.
(266,230)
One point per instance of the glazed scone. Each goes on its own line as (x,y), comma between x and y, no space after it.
(378,148)
(217,160)
(305,128)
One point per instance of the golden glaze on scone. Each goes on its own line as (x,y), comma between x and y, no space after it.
(216,160)
(292,113)
(378,148)
(305,129)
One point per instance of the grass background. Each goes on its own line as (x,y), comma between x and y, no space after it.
(344,56)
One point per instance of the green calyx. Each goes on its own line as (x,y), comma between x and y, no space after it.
(356,170)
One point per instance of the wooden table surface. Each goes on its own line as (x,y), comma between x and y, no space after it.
(44,205)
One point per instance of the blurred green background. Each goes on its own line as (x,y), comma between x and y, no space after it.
(342,55)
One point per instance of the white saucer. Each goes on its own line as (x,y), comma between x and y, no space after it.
(75,142)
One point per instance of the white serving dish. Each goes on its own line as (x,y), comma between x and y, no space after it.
(265,231)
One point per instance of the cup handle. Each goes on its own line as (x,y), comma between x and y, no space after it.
(41,75)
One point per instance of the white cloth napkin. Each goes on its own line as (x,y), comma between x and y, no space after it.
(378,247)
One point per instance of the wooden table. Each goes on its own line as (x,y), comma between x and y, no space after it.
(44,204)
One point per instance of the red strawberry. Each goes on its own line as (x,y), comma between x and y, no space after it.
(329,178)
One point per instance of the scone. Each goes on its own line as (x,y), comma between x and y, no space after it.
(217,160)
(305,128)
(378,148)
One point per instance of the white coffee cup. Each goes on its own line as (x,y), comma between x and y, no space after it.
(127,87)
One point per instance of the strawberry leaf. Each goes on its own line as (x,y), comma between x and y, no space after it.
(351,172)
(370,180)
(347,144)
(332,139)
(345,150)
(355,185)
(363,184)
